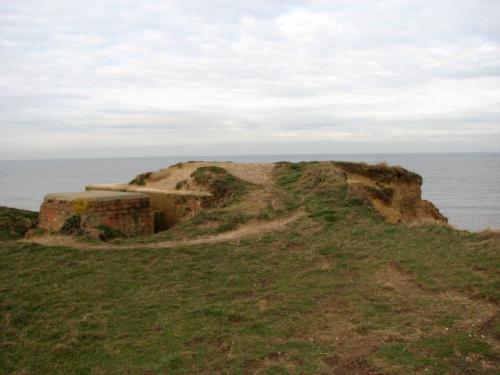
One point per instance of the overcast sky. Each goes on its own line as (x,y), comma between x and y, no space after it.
(117,78)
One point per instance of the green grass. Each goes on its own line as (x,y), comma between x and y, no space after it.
(15,223)
(109,233)
(339,290)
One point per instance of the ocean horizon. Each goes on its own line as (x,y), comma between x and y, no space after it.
(464,186)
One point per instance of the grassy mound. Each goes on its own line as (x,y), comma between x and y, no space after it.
(15,223)
(339,291)
(224,187)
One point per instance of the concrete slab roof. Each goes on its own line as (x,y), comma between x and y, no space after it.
(145,190)
(94,195)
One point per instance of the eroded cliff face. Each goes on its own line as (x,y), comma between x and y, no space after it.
(394,192)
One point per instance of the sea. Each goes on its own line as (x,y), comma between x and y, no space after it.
(464,186)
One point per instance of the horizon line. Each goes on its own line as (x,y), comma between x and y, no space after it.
(254,154)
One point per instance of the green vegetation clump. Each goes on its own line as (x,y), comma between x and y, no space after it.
(180,184)
(213,222)
(14,223)
(224,187)
(231,222)
(140,180)
(72,225)
(289,173)
(109,233)
(337,291)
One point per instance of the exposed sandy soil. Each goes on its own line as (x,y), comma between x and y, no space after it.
(406,205)
(250,229)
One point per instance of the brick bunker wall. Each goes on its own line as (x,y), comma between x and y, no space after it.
(129,213)
(170,208)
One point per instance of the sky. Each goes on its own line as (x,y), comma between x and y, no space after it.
(157,78)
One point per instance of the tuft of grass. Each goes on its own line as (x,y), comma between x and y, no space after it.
(267,213)
(140,180)
(202,217)
(109,233)
(325,214)
(180,184)
(232,221)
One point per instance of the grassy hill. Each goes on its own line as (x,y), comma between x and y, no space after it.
(338,291)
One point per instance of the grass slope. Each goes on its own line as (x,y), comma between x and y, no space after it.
(14,223)
(340,291)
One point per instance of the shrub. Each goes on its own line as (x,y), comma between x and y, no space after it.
(72,225)
(140,180)
(180,185)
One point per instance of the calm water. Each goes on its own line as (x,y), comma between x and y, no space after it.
(465,187)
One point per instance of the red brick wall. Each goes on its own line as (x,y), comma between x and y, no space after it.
(131,216)
(172,208)
(176,207)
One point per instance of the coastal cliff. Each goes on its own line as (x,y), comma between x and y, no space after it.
(313,268)
(182,190)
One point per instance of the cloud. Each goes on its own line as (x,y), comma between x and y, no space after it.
(123,73)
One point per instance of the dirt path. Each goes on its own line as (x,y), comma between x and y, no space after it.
(245,231)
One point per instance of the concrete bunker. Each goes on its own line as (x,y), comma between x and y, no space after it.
(128,213)
(169,208)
